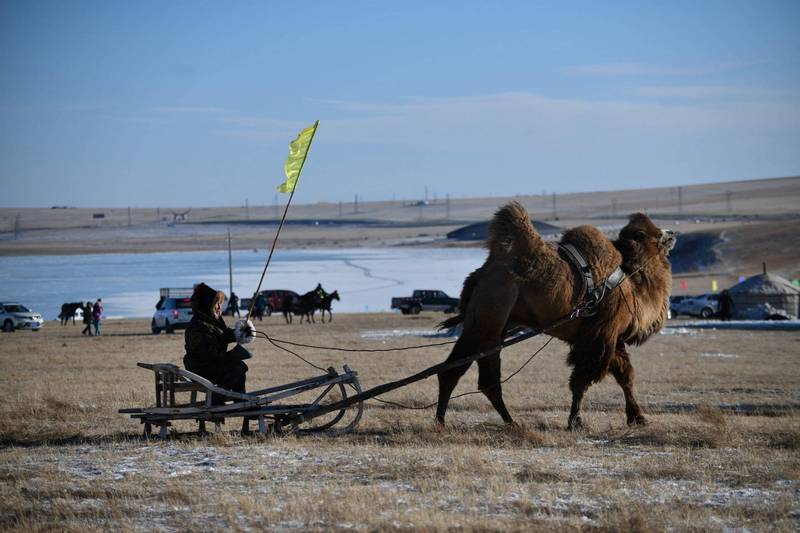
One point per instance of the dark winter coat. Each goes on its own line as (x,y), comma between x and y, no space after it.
(206,342)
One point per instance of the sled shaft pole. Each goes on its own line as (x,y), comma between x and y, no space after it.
(428,372)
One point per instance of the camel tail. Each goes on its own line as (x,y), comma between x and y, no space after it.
(463,301)
(451,322)
(512,234)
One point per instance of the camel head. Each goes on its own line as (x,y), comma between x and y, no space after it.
(644,239)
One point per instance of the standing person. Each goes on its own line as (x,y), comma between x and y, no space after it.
(88,318)
(725,305)
(260,306)
(206,342)
(233,306)
(320,292)
(97,315)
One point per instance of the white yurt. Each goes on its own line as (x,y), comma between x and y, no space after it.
(765,294)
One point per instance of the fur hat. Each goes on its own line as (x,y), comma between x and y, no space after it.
(204,298)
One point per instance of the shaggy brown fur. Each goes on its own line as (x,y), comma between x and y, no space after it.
(526,281)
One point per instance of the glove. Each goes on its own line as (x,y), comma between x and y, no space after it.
(244,331)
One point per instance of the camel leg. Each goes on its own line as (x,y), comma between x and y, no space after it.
(449,378)
(579,382)
(591,363)
(623,372)
(489,384)
(484,322)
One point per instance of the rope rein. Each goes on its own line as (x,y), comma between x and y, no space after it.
(365,350)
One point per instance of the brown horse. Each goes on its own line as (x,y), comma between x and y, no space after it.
(528,282)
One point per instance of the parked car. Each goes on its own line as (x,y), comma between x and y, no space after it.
(425,300)
(173,311)
(275,299)
(703,305)
(17,316)
(674,301)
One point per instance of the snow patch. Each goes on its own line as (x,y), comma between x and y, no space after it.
(720,355)
(783,325)
(395,333)
(674,330)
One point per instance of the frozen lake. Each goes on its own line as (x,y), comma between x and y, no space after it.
(128,283)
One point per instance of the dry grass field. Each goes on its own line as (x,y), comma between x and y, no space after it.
(720,452)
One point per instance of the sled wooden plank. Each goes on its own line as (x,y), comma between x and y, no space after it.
(278,388)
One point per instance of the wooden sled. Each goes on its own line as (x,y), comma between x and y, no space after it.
(183,395)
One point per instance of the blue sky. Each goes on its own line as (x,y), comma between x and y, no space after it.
(182,103)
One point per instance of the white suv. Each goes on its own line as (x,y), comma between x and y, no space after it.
(173,311)
(17,316)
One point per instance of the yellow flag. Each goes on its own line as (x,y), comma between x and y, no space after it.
(298,151)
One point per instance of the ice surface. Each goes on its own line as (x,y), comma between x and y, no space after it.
(366,279)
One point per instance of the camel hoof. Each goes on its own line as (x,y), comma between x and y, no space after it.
(637,421)
(575,424)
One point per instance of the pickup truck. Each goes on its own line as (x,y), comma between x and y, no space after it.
(424,300)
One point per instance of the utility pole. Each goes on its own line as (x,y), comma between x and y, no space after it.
(246,209)
(728,200)
(340,209)
(355,204)
(680,199)
(230,266)
(447,203)
(129,216)
(17,227)
(426,193)
(555,211)
(158,214)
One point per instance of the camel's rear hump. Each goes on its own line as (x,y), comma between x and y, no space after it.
(511,232)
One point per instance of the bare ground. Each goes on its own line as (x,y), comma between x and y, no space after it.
(720,452)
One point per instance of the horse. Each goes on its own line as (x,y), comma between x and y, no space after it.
(68,311)
(325,305)
(307,306)
(288,306)
(304,306)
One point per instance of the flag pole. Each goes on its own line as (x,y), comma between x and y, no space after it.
(280,225)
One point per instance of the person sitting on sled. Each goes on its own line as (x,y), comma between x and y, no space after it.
(207,338)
